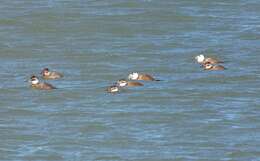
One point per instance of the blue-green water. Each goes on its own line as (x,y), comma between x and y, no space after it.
(190,115)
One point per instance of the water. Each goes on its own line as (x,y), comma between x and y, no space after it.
(190,115)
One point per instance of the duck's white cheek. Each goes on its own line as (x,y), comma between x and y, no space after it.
(130,76)
(134,76)
(122,84)
(35,82)
(114,90)
(200,60)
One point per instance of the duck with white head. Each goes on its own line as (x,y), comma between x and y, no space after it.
(36,84)
(125,83)
(201,59)
(138,76)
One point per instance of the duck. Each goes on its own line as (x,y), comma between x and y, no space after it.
(36,84)
(125,83)
(209,66)
(202,60)
(113,89)
(144,77)
(47,74)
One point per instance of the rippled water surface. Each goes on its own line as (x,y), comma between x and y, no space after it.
(191,115)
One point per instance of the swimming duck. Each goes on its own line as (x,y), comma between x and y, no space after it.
(46,74)
(124,83)
(202,60)
(137,76)
(35,83)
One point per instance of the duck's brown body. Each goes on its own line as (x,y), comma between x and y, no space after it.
(53,75)
(145,77)
(134,84)
(43,86)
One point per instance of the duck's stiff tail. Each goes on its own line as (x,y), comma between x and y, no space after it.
(158,80)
